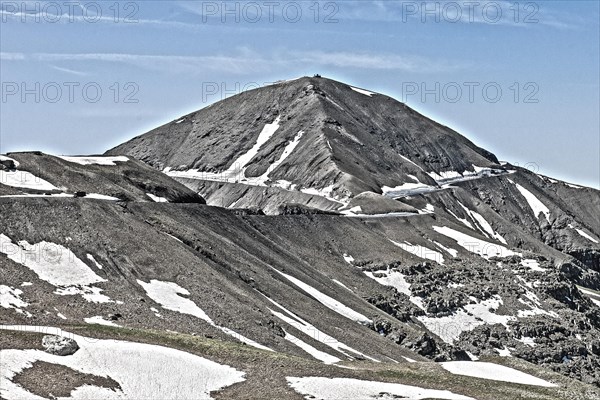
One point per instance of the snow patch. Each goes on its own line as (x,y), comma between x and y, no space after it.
(327,301)
(444,175)
(421,251)
(341,284)
(174,373)
(311,331)
(260,181)
(157,199)
(480,247)
(101,197)
(534,203)
(463,220)
(5,158)
(584,234)
(100,160)
(25,180)
(469,317)
(396,280)
(486,228)
(412,162)
(316,353)
(494,372)
(527,340)
(52,262)
(91,294)
(99,321)
(326,192)
(363,91)
(56,265)
(236,172)
(92,259)
(11,298)
(533,265)
(168,295)
(356,389)
(451,251)
(407,189)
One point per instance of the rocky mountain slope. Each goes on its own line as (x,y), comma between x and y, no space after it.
(316,134)
(376,255)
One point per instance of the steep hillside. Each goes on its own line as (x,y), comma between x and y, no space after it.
(316,134)
(107,178)
(348,247)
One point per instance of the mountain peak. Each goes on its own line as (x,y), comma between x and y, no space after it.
(311,134)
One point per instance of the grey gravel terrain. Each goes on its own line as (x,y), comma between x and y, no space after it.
(461,258)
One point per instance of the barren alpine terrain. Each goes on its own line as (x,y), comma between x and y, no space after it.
(307,239)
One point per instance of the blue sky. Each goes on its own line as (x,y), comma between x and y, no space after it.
(79,78)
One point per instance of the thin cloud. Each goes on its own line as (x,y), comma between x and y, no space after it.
(491,13)
(380,61)
(64,18)
(69,71)
(4,56)
(247,61)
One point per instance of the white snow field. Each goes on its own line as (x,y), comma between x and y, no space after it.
(407,189)
(38,195)
(101,197)
(56,265)
(421,251)
(11,298)
(289,149)
(169,296)
(143,371)
(391,278)
(464,221)
(326,192)
(363,91)
(99,160)
(495,372)
(594,296)
(327,301)
(341,284)
(157,199)
(397,280)
(316,353)
(25,180)
(346,388)
(52,262)
(5,158)
(236,172)
(532,264)
(534,203)
(449,250)
(311,331)
(584,234)
(450,327)
(92,259)
(481,247)
(99,320)
(448,177)
(485,226)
